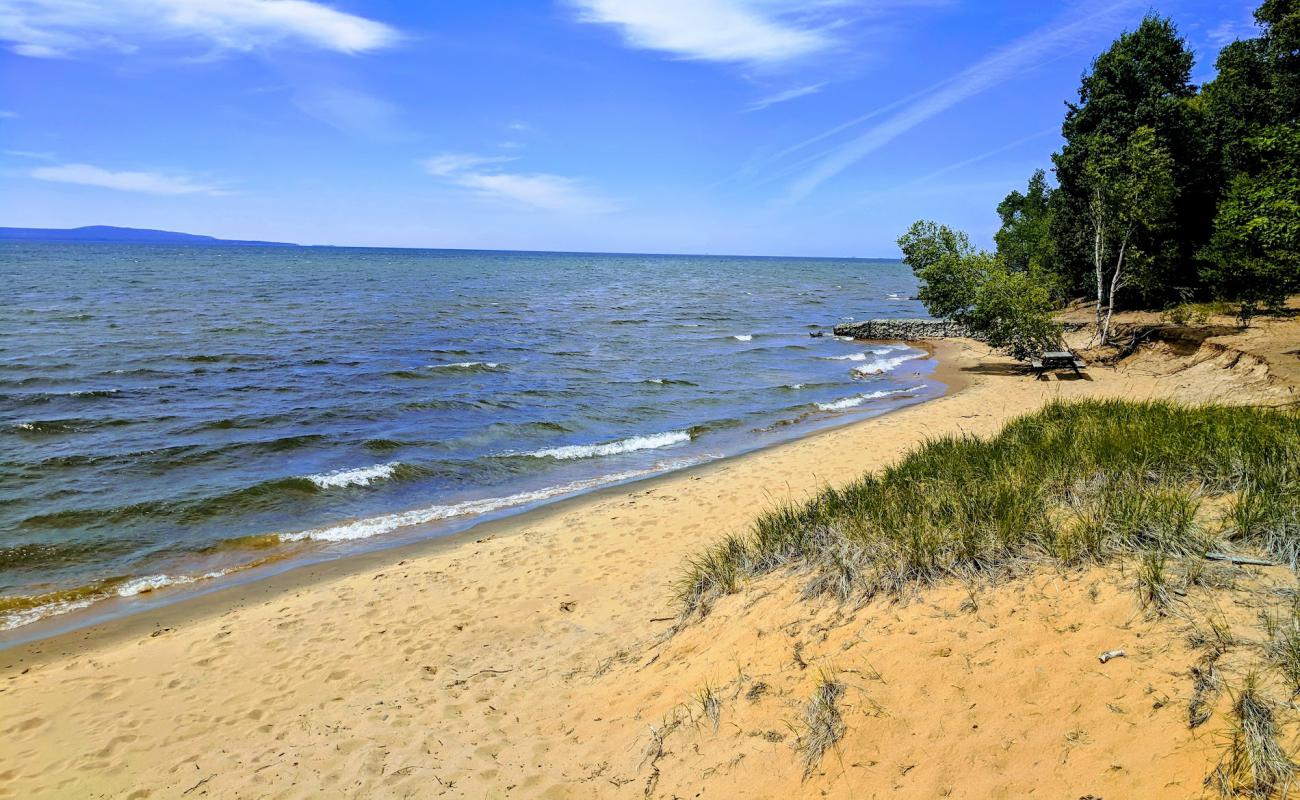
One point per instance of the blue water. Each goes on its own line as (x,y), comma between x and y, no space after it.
(171,415)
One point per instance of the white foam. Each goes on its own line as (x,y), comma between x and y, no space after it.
(877,367)
(360,476)
(849,357)
(18,619)
(633,444)
(744,337)
(131,588)
(857,400)
(387,523)
(466,365)
(655,380)
(151,583)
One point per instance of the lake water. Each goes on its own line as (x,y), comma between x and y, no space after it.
(172,416)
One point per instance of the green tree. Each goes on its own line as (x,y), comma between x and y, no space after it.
(1141,81)
(1013,312)
(1254,255)
(1131,195)
(1008,308)
(944,262)
(1025,239)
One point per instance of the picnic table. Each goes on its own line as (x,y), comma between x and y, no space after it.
(1054,360)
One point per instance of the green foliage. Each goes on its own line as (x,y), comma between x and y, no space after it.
(1011,310)
(1141,81)
(1024,241)
(1074,482)
(1254,255)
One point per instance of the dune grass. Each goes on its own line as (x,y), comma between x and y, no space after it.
(1075,482)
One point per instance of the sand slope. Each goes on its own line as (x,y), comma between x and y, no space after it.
(534,662)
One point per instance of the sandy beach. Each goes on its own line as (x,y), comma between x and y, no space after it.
(536,656)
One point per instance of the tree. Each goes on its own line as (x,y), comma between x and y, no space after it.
(946,265)
(1142,80)
(1254,254)
(1025,239)
(1013,312)
(1131,196)
(1009,309)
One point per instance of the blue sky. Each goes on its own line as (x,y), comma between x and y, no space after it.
(812,127)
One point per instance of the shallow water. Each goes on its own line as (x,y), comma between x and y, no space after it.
(172,415)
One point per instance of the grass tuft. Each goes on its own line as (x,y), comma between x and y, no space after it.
(823,725)
(1254,763)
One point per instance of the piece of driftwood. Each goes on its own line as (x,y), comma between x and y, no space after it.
(1109,654)
(1254,562)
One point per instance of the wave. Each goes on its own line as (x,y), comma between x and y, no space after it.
(387,523)
(650,442)
(857,400)
(18,611)
(668,382)
(877,367)
(476,366)
(360,476)
(744,337)
(70,425)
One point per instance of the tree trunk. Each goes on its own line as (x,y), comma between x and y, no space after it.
(1115,283)
(1097,238)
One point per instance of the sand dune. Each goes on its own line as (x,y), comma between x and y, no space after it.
(532,658)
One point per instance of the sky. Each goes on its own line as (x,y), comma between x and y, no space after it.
(753,127)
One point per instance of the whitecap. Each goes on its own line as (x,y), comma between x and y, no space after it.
(857,400)
(387,523)
(633,444)
(151,583)
(877,367)
(19,618)
(360,476)
(744,337)
(466,365)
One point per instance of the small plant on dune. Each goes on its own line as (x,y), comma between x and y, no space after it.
(709,703)
(1283,645)
(822,725)
(1153,584)
(1254,763)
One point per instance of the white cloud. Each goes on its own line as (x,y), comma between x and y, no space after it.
(147,182)
(781,97)
(738,31)
(9,115)
(353,112)
(538,190)
(1045,44)
(756,33)
(54,28)
(452,163)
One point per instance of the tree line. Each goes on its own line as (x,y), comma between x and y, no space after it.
(1165,193)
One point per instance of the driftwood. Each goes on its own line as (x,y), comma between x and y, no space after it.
(1231,559)
(1109,654)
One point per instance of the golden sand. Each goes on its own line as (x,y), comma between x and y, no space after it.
(530,658)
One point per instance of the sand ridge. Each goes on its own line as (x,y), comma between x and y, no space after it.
(535,661)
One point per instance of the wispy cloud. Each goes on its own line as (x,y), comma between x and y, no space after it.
(1229,31)
(1056,40)
(753,33)
(781,97)
(353,112)
(33,154)
(738,31)
(538,190)
(147,182)
(55,28)
(9,115)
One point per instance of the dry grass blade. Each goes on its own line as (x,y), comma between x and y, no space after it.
(823,725)
(1254,765)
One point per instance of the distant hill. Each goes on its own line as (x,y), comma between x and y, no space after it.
(108,233)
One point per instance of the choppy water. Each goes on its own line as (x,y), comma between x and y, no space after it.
(172,415)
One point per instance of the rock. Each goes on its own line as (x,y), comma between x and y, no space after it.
(903,329)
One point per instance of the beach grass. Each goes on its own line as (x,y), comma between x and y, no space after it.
(1079,482)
